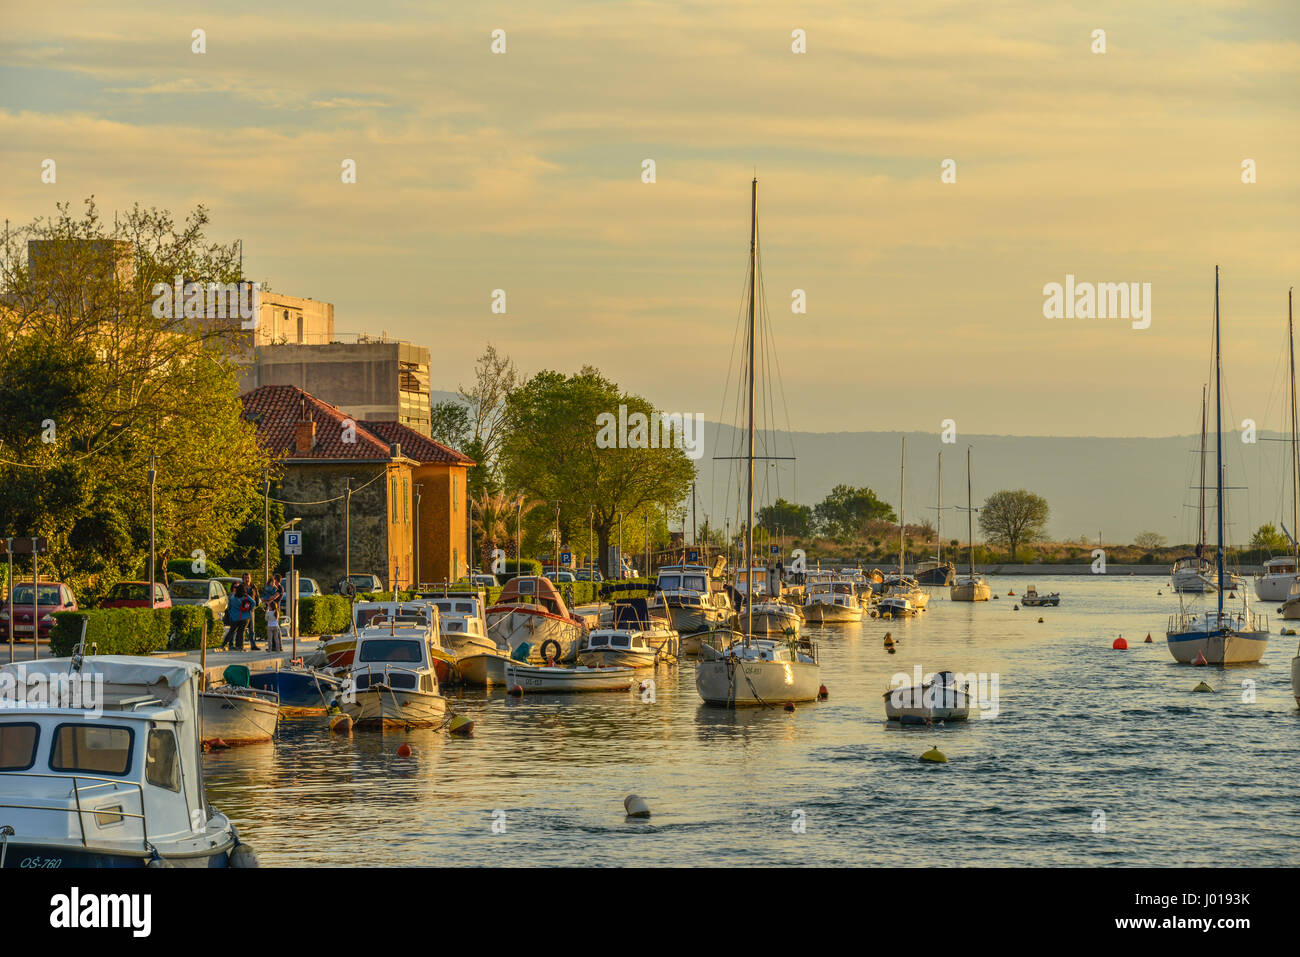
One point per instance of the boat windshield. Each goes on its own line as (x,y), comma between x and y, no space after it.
(390,649)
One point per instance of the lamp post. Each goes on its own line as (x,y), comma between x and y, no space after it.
(519,538)
(293,591)
(620,545)
(419,486)
(266,525)
(591,542)
(153,476)
(347,533)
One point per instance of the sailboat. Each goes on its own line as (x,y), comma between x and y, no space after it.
(901,595)
(752,670)
(1280,574)
(1218,637)
(969,587)
(935,571)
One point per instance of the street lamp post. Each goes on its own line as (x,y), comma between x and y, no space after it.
(153,475)
(266,526)
(347,533)
(419,486)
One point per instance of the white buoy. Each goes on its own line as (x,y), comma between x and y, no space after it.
(635,806)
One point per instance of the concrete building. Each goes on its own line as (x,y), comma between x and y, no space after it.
(372,379)
(354,485)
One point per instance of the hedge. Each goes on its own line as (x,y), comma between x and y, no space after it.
(115,631)
(184,568)
(187,627)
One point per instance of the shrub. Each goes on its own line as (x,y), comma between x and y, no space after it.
(115,631)
(323,615)
(186,623)
(514,567)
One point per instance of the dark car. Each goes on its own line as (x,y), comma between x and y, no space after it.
(360,583)
(50,597)
(136,595)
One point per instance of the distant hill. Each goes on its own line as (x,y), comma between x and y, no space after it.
(1116,486)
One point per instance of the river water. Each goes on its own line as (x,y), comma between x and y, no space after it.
(1093,757)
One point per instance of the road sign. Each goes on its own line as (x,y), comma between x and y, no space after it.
(23,546)
(566,557)
(692,556)
(776,549)
(293,543)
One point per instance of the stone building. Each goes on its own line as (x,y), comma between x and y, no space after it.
(354,483)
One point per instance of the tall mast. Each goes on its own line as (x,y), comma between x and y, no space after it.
(970,518)
(938,513)
(1218,445)
(1295,462)
(749,484)
(902,525)
(1202,509)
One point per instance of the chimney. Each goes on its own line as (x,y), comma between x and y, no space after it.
(305,438)
(396,450)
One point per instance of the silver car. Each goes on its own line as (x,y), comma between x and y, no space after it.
(200,591)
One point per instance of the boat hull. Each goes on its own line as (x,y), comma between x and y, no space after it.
(1219,648)
(896,608)
(732,683)
(482,669)
(23,856)
(691,619)
(1295,679)
(516,626)
(1274,587)
(926,704)
(970,591)
(301,691)
(568,680)
(826,613)
(389,709)
(942,576)
(236,719)
(617,658)
(1045,601)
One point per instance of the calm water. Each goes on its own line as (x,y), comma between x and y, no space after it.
(1183,778)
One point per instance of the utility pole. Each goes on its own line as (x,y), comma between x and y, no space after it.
(454,571)
(153,475)
(557,542)
(591,542)
(266,526)
(347,532)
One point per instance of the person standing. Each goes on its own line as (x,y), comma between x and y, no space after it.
(243,599)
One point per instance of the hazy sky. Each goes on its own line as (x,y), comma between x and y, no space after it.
(522,171)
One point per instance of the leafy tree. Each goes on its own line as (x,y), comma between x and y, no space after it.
(791,519)
(847,511)
(549,452)
(1013,517)
(1268,538)
(495,379)
(450,424)
(94,388)
(1149,541)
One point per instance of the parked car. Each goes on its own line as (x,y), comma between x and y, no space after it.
(588,575)
(136,595)
(564,575)
(484,581)
(307,588)
(228,583)
(50,597)
(360,583)
(200,591)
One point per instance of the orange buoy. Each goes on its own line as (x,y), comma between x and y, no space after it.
(1120,644)
(1148,639)
(403,750)
(517,691)
(1012,592)
(789,706)
(822,693)
(1200,659)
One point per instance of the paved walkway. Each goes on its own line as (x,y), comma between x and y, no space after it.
(217,659)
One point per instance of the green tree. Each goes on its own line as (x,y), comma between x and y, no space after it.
(1268,538)
(549,452)
(1013,518)
(94,387)
(450,424)
(787,517)
(1149,541)
(847,511)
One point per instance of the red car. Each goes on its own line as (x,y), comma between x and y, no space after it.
(136,595)
(50,597)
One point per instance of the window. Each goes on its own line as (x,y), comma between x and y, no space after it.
(406,501)
(390,649)
(394,499)
(92,749)
(162,764)
(18,746)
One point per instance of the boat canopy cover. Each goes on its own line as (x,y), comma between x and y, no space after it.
(631,613)
(533,588)
(174,684)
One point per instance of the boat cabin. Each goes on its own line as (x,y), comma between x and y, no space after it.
(401,659)
(421,613)
(533,590)
(620,640)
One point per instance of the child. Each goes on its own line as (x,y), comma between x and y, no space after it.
(273,628)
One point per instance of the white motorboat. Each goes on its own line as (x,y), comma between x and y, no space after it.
(751,670)
(1192,575)
(969,587)
(1031,598)
(109,773)
(896,606)
(233,715)
(621,647)
(831,601)
(937,698)
(770,617)
(462,625)
(560,679)
(1279,574)
(1216,637)
(530,611)
(689,598)
(394,681)
(482,668)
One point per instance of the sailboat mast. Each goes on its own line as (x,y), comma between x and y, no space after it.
(902,525)
(749,483)
(1295,462)
(1218,445)
(938,513)
(970,518)
(1202,509)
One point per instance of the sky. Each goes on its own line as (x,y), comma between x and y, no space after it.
(523,171)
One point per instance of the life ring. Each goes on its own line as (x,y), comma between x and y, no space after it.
(550,656)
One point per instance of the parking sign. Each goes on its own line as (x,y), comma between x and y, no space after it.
(566,557)
(293,543)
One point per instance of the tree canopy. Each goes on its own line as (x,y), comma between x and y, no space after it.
(1013,518)
(847,511)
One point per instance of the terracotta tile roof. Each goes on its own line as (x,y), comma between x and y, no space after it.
(419,447)
(277,409)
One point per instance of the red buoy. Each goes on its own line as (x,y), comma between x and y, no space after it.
(789,706)
(403,750)
(1120,644)
(822,693)
(517,691)
(1148,639)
